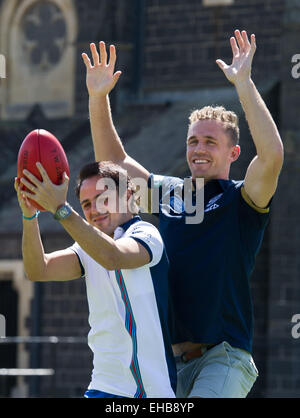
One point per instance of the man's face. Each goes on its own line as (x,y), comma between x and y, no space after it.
(101,206)
(210,151)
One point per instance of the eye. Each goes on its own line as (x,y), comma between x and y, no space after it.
(86,206)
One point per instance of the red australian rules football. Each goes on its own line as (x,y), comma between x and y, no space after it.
(42,146)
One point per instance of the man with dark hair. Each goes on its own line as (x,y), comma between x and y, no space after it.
(125,267)
(118,179)
(210,262)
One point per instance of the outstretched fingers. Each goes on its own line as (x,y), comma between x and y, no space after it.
(245,38)
(103,53)
(253,44)
(86,60)
(116,76)
(244,45)
(240,40)
(234,47)
(112,56)
(101,57)
(95,55)
(222,64)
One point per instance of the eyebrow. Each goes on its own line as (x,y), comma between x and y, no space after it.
(206,136)
(88,200)
(84,201)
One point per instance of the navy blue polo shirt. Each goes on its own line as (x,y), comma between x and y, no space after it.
(210,262)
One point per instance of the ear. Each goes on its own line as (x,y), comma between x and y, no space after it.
(133,204)
(235,153)
(129,194)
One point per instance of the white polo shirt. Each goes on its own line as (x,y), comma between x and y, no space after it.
(128,319)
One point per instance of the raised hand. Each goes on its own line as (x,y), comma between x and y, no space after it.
(45,193)
(100,75)
(243,52)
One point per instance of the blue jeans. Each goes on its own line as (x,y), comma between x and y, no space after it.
(221,372)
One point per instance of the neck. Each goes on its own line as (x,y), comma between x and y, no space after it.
(208,179)
(126,218)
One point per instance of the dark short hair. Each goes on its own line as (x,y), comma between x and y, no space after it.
(104,169)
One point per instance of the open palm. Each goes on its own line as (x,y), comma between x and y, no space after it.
(100,76)
(243,52)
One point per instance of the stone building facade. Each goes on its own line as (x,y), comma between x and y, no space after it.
(166,51)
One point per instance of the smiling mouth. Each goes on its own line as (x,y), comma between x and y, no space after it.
(199,161)
(100,218)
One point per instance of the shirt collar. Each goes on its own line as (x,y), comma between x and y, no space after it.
(224,184)
(119,231)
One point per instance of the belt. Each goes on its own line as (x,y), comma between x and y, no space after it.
(198,352)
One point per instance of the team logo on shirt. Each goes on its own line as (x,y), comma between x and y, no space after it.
(146,236)
(211,205)
(177,204)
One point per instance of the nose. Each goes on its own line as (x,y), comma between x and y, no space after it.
(94,206)
(100,205)
(200,148)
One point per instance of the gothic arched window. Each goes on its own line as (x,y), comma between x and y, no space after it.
(44,35)
(38,40)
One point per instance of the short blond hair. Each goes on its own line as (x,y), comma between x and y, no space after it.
(219,113)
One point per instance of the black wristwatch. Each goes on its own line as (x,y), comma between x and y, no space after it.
(62,212)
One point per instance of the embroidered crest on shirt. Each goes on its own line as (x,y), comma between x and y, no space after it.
(176,204)
(211,205)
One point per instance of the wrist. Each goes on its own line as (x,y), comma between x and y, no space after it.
(29,218)
(62,212)
(243,84)
(98,96)
(53,210)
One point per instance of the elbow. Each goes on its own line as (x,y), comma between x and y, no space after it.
(31,277)
(109,264)
(111,261)
(121,158)
(275,159)
(278,159)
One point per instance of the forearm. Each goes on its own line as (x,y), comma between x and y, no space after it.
(33,251)
(261,124)
(98,245)
(107,144)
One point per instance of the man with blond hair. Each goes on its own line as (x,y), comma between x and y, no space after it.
(229,119)
(211,317)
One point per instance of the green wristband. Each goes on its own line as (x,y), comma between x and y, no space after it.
(32,217)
